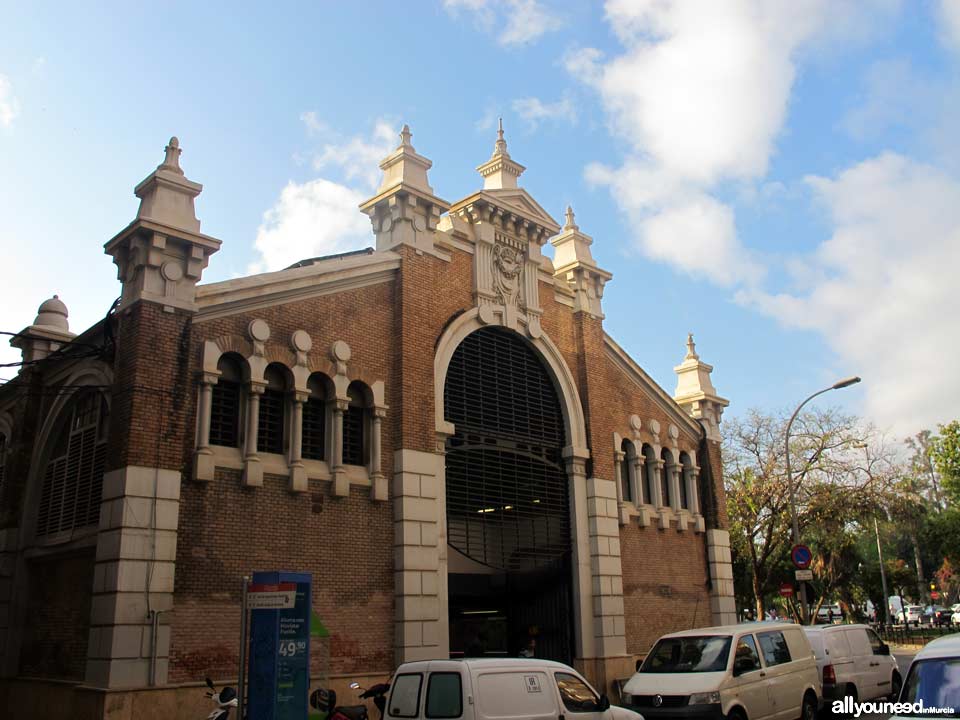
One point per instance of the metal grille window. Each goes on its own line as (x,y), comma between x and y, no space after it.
(626,470)
(355,426)
(507,500)
(314,420)
(225,404)
(684,468)
(665,468)
(73,477)
(270,435)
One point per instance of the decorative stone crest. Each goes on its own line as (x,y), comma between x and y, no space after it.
(508,265)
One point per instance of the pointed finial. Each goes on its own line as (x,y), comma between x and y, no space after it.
(691,348)
(405,136)
(500,147)
(171,159)
(570,224)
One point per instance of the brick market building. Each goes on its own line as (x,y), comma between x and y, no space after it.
(437,428)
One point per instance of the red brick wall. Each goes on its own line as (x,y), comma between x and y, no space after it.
(664,584)
(227,531)
(55,635)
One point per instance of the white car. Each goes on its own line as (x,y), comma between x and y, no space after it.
(934,678)
(853,661)
(910,615)
(758,671)
(955,618)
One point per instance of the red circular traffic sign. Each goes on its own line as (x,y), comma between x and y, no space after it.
(801,556)
(786,589)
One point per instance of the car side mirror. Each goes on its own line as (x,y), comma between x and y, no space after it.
(742,665)
(210,684)
(604,703)
(884,649)
(638,665)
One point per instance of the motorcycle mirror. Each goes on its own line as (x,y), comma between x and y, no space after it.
(354,686)
(210,684)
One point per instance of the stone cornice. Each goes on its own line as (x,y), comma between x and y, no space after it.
(632,370)
(336,275)
(503,202)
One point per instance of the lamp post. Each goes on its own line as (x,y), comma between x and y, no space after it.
(804,610)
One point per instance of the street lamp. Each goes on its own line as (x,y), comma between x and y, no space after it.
(847,382)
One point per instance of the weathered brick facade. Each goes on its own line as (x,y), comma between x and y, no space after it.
(186,519)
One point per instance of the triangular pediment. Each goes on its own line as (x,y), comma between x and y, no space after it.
(521,202)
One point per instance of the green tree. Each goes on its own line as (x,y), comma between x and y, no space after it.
(945,450)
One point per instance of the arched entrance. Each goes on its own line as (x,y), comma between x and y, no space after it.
(507,501)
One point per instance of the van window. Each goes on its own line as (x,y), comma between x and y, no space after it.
(875,642)
(746,658)
(444,695)
(837,645)
(859,644)
(774,646)
(405,698)
(706,653)
(576,694)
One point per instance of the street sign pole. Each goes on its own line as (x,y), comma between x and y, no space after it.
(243,647)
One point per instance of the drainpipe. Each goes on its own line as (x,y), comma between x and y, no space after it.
(154,635)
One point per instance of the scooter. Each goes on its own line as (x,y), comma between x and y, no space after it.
(326,701)
(225,699)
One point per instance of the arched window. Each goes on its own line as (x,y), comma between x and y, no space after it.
(73,476)
(684,470)
(356,424)
(225,406)
(271,424)
(665,471)
(627,469)
(649,474)
(315,419)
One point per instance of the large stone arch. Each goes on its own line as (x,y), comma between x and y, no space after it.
(469,322)
(575,454)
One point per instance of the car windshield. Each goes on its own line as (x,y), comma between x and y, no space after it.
(707,653)
(935,682)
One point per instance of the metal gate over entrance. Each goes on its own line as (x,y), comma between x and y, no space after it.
(508,514)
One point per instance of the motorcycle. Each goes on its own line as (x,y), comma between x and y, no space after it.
(225,699)
(326,701)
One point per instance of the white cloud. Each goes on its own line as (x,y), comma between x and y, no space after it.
(9,106)
(881,288)
(700,95)
(315,218)
(949,11)
(533,110)
(522,21)
(321,216)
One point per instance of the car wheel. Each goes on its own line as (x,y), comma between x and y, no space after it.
(896,683)
(808,711)
(736,714)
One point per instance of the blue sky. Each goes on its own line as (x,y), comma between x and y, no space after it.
(780,178)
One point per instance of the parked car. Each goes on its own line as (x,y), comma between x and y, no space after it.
(910,615)
(495,688)
(853,660)
(934,676)
(955,617)
(935,615)
(752,670)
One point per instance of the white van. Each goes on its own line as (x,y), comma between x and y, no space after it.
(752,671)
(496,689)
(853,660)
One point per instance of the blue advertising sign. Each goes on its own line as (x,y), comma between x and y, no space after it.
(279,668)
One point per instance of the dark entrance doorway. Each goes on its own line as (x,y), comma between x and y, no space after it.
(508,515)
